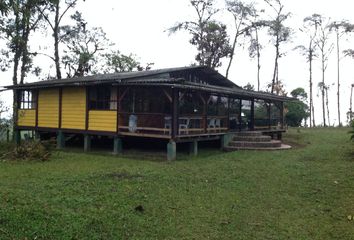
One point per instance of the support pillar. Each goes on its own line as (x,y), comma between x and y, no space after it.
(60,140)
(240,116)
(226,139)
(171,151)
(117,146)
(17,137)
(37,136)
(87,143)
(193,148)
(269,116)
(282,115)
(252,115)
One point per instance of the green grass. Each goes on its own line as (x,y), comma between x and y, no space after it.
(303,193)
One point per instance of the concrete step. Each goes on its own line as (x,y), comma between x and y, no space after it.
(245,144)
(282,147)
(252,138)
(248,133)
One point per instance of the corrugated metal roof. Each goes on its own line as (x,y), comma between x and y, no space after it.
(237,92)
(213,76)
(217,83)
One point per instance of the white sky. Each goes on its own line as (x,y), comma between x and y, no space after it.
(138,27)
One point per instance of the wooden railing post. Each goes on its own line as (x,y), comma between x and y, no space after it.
(175,106)
(252,115)
(240,116)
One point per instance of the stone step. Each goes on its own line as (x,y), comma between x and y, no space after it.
(282,147)
(252,138)
(248,133)
(245,144)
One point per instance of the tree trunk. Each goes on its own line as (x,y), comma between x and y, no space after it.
(329,123)
(275,64)
(323,92)
(338,83)
(15,97)
(17,57)
(24,59)
(310,71)
(56,41)
(233,45)
(231,56)
(258,61)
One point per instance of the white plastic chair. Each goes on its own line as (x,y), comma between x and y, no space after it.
(183,124)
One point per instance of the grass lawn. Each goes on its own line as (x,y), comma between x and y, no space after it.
(303,193)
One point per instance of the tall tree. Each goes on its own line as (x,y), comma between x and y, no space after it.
(243,14)
(214,46)
(280,34)
(340,29)
(21,20)
(255,47)
(325,88)
(325,47)
(210,37)
(83,46)
(310,29)
(115,62)
(53,14)
(350,53)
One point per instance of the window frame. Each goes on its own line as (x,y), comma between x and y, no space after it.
(27,99)
(103,100)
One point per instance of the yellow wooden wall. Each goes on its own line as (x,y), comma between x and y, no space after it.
(48,108)
(26,117)
(74,108)
(102,121)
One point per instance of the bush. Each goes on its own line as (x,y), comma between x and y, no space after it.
(28,151)
(352,131)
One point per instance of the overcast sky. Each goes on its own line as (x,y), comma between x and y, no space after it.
(139,27)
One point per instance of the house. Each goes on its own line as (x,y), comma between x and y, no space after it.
(187,104)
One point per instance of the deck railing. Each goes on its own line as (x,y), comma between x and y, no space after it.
(160,125)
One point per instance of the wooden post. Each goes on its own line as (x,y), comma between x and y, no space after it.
(117,145)
(252,115)
(37,97)
(87,143)
(175,106)
(117,114)
(60,140)
(60,107)
(240,116)
(193,148)
(228,113)
(205,115)
(37,136)
(87,108)
(171,151)
(282,115)
(269,115)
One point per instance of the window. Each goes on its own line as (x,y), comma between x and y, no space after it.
(190,103)
(145,100)
(28,100)
(217,105)
(103,98)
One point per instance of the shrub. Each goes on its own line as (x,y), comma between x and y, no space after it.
(28,151)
